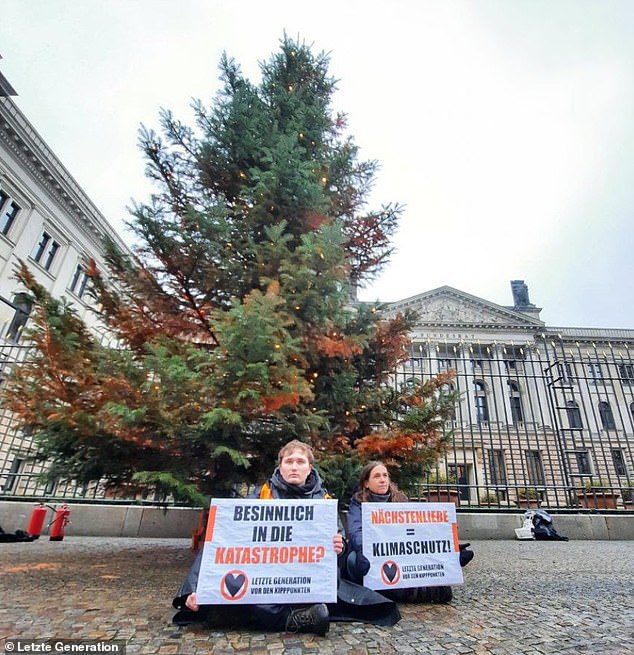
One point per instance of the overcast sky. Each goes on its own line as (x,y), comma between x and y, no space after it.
(506,127)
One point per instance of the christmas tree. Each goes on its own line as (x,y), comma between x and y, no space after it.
(233,325)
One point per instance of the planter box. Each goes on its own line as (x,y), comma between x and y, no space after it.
(528,503)
(443,496)
(597,500)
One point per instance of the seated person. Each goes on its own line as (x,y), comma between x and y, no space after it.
(375,486)
(294,478)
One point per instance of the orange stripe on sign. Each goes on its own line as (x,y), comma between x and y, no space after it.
(456,541)
(211,522)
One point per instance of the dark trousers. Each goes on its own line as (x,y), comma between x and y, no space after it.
(255,617)
(270,617)
(353,574)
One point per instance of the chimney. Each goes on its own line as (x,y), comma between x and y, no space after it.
(521,302)
(520,294)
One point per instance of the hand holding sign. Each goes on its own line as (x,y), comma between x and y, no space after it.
(285,557)
(411,545)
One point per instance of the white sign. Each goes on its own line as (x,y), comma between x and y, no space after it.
(411,545)
(269,551)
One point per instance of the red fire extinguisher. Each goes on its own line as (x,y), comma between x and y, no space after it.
(37,520)
(59,522)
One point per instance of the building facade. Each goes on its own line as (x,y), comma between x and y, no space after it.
(544,414)
(48,222)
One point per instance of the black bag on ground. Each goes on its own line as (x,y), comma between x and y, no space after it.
(543,527)
(18,535)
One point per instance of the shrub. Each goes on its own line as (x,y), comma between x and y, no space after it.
(597,486)
(627,492)
(440,478)
(489,498)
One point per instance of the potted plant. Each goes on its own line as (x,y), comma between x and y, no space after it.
(528,497)
(442,488)
(597,495)
(490,498)
(627,495)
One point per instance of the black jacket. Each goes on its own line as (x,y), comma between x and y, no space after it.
(354,602)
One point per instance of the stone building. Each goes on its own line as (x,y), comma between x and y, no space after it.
(545,412)
(542,412)
(47,221)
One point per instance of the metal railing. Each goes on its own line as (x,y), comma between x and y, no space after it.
(550,423)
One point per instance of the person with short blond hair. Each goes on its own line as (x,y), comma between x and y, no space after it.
(295,477)
(296,444)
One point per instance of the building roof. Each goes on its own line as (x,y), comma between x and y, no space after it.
(5,88)
(446,306)
(450,310)
(35,156)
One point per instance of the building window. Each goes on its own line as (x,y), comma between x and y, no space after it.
(515,399)
(13,474)
(446,358)
(535,467)
(618,460)
(8,211)
(574,415)
(23,305)
(497,467)
(416,356)
(79,281)
(626,373)
(45,251)
(447,365)
(584,464)
(50,487)
(607,417)
(595,373)
(480,398)
(447,389)
(568,372)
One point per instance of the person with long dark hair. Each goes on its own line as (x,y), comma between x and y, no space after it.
(375,486)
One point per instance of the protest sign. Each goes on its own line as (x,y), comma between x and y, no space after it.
(269,551)
(411,545)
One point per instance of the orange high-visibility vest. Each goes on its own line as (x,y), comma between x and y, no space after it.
(265,492)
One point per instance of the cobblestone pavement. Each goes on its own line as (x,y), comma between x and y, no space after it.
(519,597)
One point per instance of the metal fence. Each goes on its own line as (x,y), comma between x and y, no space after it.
(21,474)
(550,423)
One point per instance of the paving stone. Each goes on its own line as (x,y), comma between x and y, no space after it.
(519,598)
